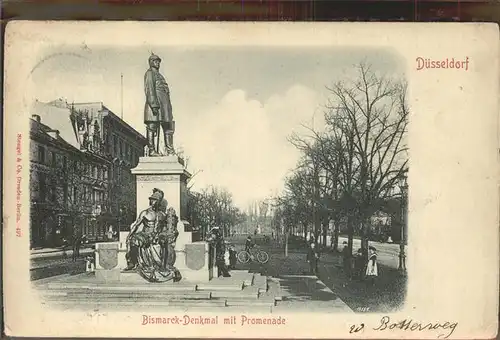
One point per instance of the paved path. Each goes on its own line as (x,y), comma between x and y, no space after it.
(387,295)
(296,280)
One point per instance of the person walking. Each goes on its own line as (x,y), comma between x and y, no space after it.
(313,258)
(217,241)
(76,242)
(232,257)
(359,264)
(371,267)
(346,258)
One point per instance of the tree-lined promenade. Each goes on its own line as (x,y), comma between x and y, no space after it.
(214,207)
(352,168)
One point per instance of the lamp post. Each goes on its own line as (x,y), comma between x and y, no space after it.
(404,217)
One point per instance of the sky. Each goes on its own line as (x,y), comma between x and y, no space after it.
(234,107)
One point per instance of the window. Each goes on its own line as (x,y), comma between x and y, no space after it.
(75,195)
(53,193)
(105,174)
(54,159)
(41,154)
(65,194)
(42,186)
(94,171)
(64,161)
(75,166)
(120,153)
(115,145)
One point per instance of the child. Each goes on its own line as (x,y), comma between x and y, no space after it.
(90,263)
(371,267)
(227,254)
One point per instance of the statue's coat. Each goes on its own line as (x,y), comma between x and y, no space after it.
(157,96)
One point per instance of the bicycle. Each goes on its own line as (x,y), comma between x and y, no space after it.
(245,256)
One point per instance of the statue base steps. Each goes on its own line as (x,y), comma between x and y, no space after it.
(228,295)
(85,291)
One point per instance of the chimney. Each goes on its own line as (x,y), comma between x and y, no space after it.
(54,134)
(36,117)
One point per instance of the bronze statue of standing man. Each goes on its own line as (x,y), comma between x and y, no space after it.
(158,109)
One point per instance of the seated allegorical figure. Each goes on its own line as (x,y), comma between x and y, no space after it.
(151,242)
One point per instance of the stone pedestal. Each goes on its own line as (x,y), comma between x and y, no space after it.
(167,173)
(195,260)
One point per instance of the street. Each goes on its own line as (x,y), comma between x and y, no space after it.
(48,264)
(387,253)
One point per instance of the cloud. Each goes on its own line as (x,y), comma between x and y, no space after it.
(241,144)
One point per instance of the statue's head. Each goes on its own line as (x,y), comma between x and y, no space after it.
(156,198)
(154,61)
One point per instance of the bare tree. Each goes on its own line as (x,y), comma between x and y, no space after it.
(370,115)
(349,170)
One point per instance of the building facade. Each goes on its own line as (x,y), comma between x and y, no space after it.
(68,187)
(122,145)
(81,156)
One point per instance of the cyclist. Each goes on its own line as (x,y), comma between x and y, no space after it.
(249,244)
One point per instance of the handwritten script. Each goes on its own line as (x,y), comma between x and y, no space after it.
(444,329)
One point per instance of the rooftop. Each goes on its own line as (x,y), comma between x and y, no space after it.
(51,114)
(56,116)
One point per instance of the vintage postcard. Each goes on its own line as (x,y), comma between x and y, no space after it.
(243,180)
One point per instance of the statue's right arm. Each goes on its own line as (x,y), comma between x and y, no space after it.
(137,223)
(149,88)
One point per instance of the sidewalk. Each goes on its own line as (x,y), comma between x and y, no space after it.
(297,283)
(48,262)
(58,252)
(387,295)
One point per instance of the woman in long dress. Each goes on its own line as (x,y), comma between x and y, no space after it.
(371,267)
